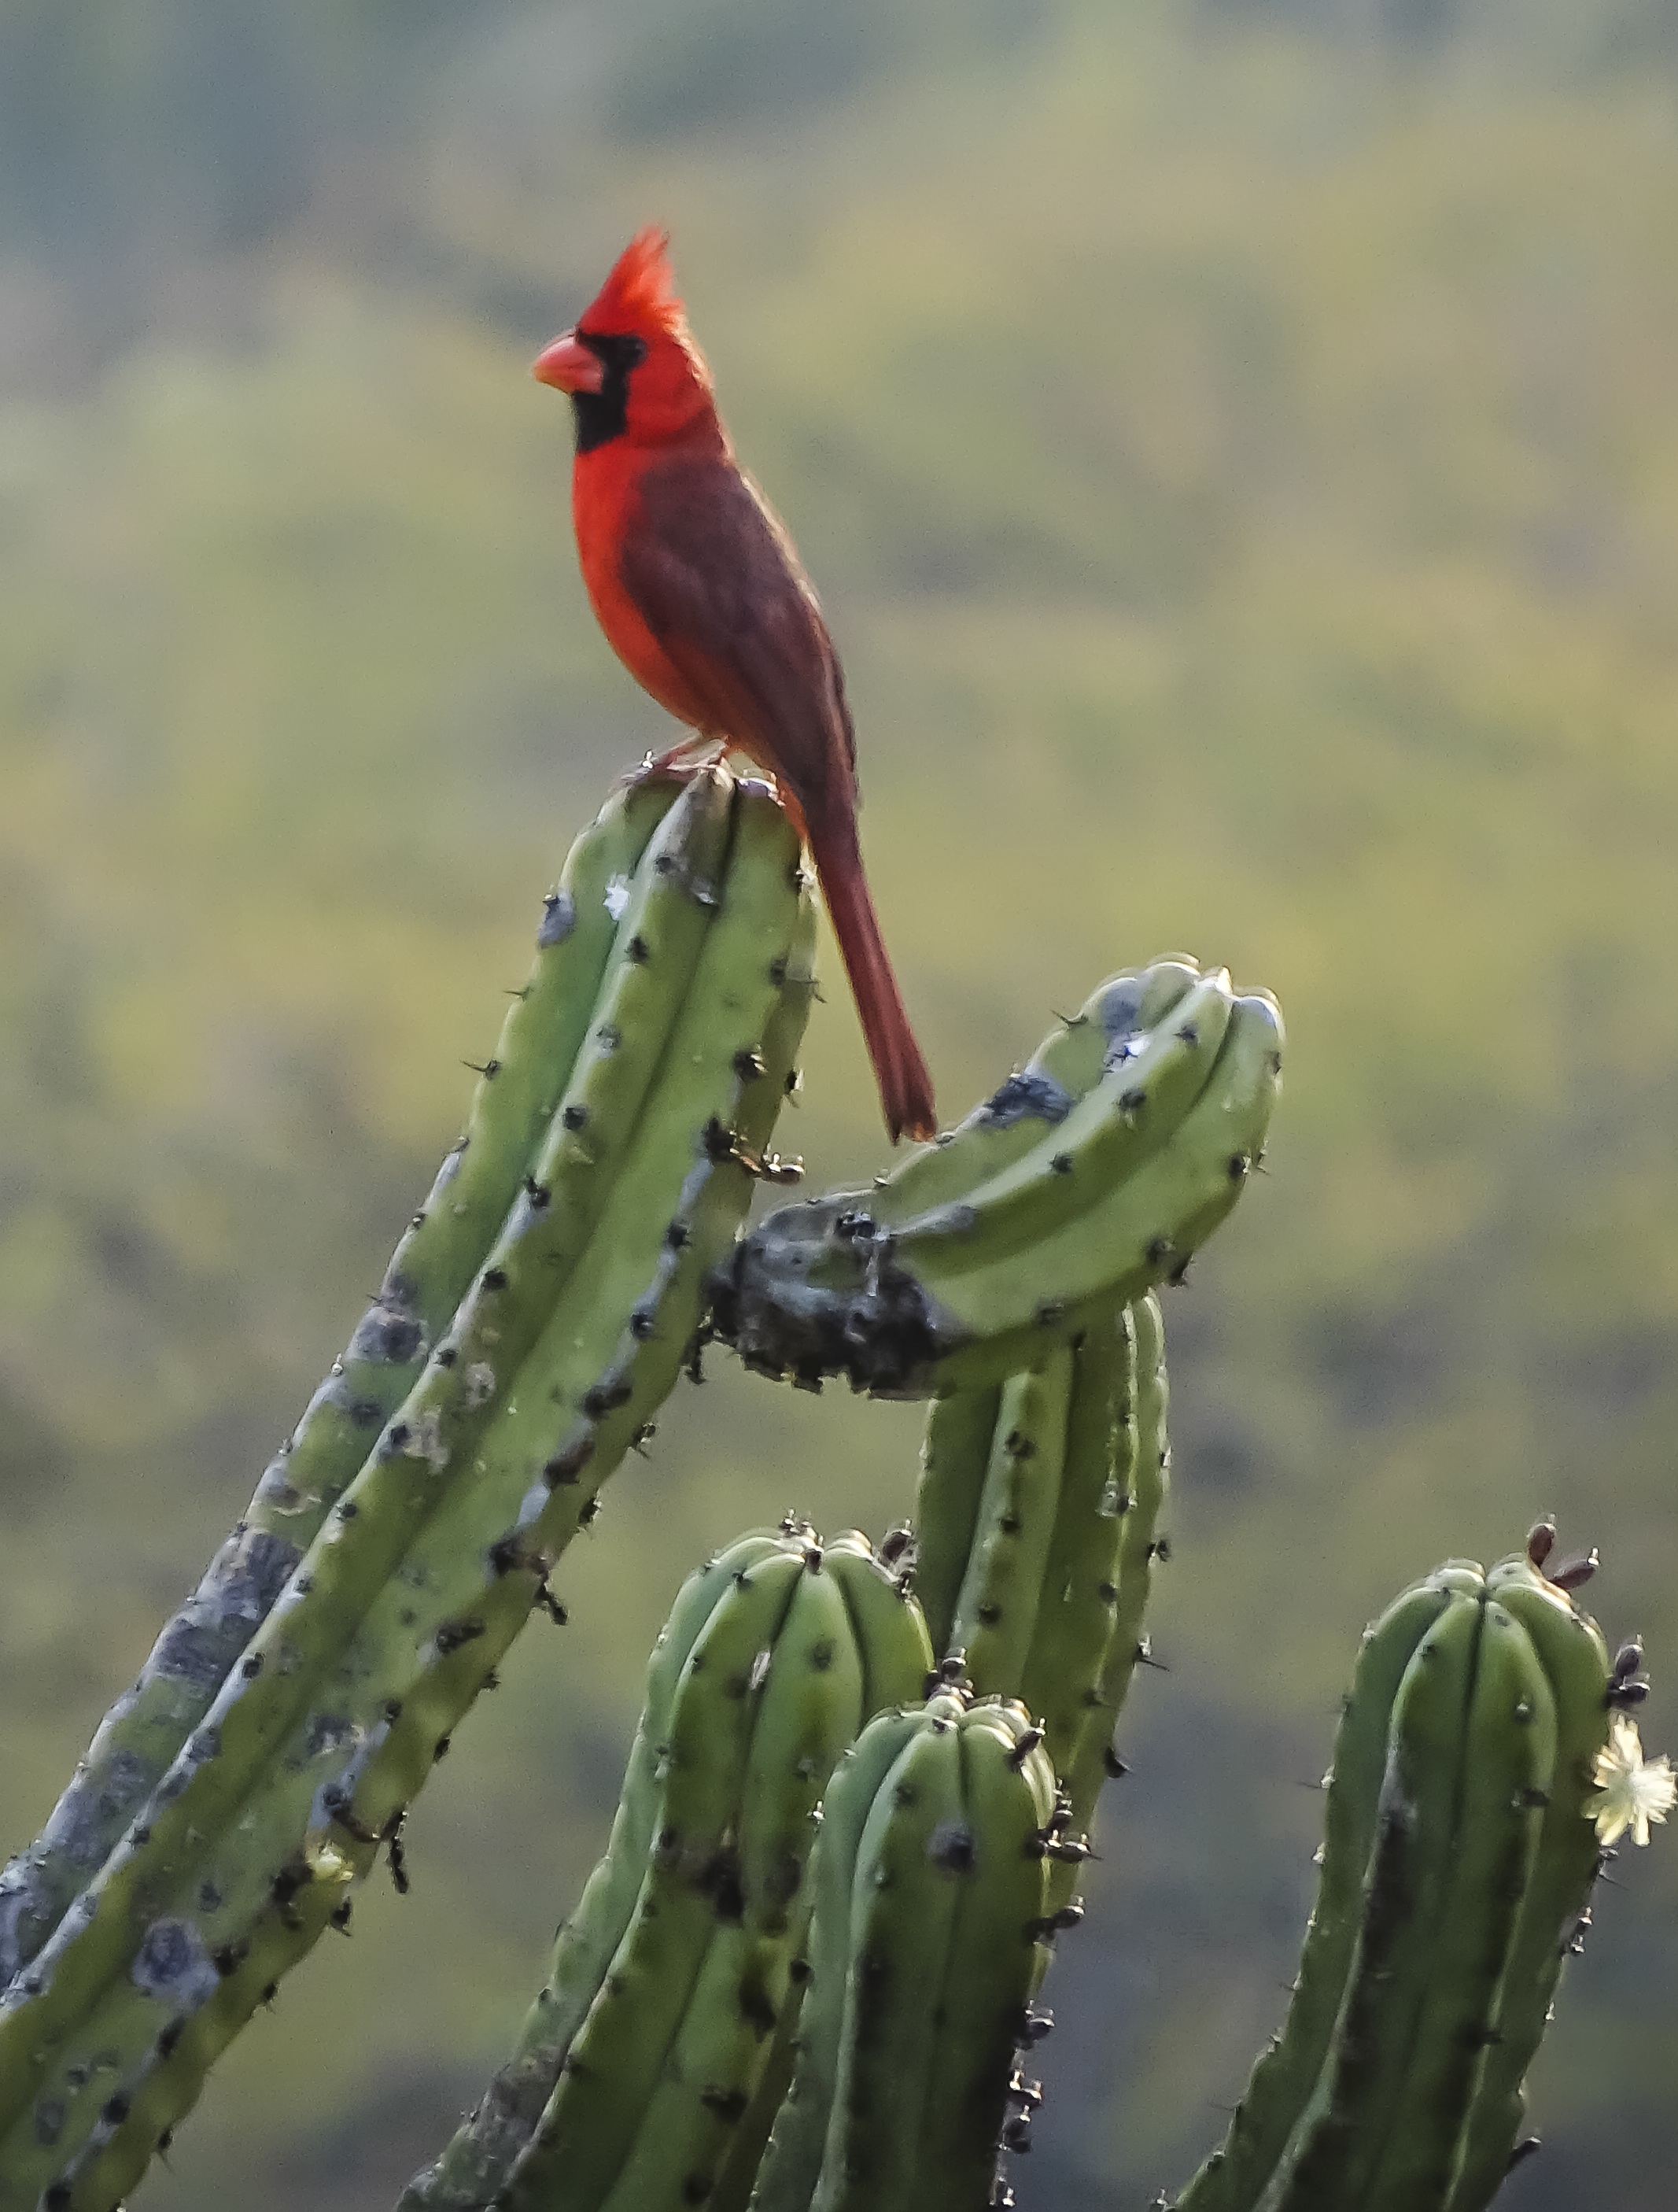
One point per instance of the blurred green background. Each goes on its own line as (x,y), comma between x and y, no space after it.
(1237,445)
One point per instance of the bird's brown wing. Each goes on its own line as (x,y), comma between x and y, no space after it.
(716,580)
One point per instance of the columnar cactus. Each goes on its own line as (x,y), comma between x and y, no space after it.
(801,1978)
(644,2050)
(927,1942)
(566,1340)
(446,1244)
(1038,1216)
(1456,1867)
(1082,1468)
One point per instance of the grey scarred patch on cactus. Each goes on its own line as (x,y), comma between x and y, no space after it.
(559,919)
(173,1965)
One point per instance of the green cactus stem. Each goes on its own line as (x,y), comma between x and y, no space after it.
(472,2167)
(851,1636)
(1456,1865)
(1038,1517)
(1061,1675)
(365,1536)
(1141,1486)
(400,1653)
(648,2087)
(1114,1199)
(927,1941)
(955,1453)
(519,1089)
(1570,1651)
(996,1607)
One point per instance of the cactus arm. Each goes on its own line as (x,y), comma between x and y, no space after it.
(474,2164)
(995,1961)
(821,1290)
(1509,1746)
(1030,1105)
(1144,1225)
(956,1454)
(1142,1469)
(1151,1081)
(614,2064)
(996,1609)
(439,1252)
(881,1626)
(1569,1647)
(1234,2178)
(911,2015)
(675,1178)
(1061,1679)
(810,1710)
(787,2178)
(362,1541)
(1330,2160)
(901,1922)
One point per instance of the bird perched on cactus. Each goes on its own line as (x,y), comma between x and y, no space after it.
(701,595)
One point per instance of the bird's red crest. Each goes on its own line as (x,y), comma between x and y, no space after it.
(641,290)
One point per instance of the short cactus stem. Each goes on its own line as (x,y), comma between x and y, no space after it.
(646,2052)
(1141,1492)
(956,1454)
(1044,1501)
(997,1605)
(1061,1681)
(1456,1862)
(927,1941)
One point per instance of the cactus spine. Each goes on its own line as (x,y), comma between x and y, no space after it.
(1029,1254)
(1038,1515)
(427,1567)
(442,1249)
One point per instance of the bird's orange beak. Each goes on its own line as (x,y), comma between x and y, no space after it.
(568,365)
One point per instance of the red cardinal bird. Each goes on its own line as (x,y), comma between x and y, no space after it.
(701,595)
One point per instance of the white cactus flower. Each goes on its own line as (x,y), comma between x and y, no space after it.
(1631,1791)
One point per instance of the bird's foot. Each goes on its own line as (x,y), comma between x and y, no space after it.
(679,765)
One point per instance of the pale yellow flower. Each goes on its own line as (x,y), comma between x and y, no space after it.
(1631,1792)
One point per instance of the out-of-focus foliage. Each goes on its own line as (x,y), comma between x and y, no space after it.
(1236,446)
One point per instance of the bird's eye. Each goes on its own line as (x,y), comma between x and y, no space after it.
(621,350)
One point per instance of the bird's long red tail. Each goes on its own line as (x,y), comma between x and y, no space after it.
(905,1088)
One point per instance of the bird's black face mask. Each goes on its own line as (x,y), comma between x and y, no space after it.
(602,415)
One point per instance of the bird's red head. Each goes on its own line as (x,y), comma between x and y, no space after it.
(630,365)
